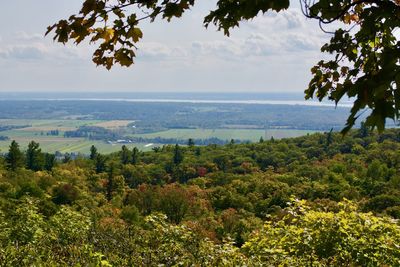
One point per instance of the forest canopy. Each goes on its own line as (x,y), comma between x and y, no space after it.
(319,200)
(364,49)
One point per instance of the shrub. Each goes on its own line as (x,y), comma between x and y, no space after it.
(306,237)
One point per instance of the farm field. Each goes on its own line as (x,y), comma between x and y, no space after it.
(38,128)
(64,145)
(49,123)
(227,134)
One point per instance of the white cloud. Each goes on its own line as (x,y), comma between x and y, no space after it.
(223,49)
(258,45)
(291,19)
(302,42)
(24,53)
(150,51)
(28,37)
(290,30)
(24,47)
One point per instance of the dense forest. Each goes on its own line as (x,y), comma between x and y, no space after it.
(317,200)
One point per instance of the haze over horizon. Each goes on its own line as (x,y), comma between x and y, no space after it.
(272,53)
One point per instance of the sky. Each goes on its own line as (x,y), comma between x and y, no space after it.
(272,53)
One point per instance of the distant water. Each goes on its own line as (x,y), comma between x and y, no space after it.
(214,98)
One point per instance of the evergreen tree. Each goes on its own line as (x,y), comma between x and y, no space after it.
(135,156)
(50,160)
(178,155)
(329,138)
(197,152)
(93,152)
(364,131)
(261,140)
(14,158)
(67,158)
(110,182)
(190,142)
(34,157)
(115,184)
(125,155)
(100,161)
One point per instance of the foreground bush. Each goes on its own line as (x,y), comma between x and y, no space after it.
(300,236)
(305,237)
(69,238)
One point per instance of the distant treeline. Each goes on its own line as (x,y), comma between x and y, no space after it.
(172,141)
(4,138)
(11,127)
(53,132)
(100,133)
(93,133)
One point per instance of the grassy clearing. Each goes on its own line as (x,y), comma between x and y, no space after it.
(76,145)
(49,123)
(38,129)
(227,134)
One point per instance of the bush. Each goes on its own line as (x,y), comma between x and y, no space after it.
(382,202)
(344,238)
(65,194)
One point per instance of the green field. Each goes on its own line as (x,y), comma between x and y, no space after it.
(227,134)
(77,145)
(49,123)
(37,132)
(38,128)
